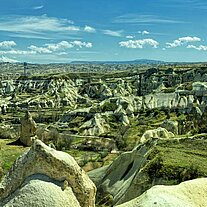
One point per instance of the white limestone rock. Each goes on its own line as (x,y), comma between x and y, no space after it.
(28,129)
(56,165)
(95,126)
(191,193)
(199,88)
(41,191)
(123,178)
(156,133)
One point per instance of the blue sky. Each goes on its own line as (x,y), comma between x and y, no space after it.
(45,31)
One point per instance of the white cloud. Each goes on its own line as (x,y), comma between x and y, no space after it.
(42,27)
(31,36)
(16,52)
(139,43)
(200,47)
(66,45)
(61,46)
(140,19)
(89,29)
(181,41)
(144,32)
(7,44)
(36,24)
(40,50)
(54,48)
(113,33)
(6,59)
(189,39)
(38,7)
(71,28)
(129,37)
(82,44)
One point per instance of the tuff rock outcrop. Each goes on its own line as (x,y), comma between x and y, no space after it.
(155,162)
(28,129)
(156,133)
(121,179)
(191,193)
(45,177)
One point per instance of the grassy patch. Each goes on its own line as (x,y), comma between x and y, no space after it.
(8,154)
(177,161)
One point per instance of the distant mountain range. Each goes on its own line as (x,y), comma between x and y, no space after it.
(137,62)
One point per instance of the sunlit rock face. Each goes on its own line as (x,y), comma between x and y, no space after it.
(46,177)
(28,129)
(156,133)
(190,193)
(121,179)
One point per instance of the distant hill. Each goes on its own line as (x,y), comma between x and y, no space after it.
(138,62)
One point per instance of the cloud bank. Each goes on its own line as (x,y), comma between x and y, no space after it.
(181,41)
(140,44)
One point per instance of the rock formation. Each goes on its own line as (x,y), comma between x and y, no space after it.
(122,177)
(189,194)
(96,126)
(103,106)
(40,190)
(156,133)
(28,129)
(46,177)
(156,162)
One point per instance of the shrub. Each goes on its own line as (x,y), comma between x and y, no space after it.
(7,134)
(108,106)
(64,141)
(104,200)
(1,173)
(104,153)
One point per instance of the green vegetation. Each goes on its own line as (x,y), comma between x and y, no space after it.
(73,110)
(8,154)
(178,160)
(108,106)
(87,159)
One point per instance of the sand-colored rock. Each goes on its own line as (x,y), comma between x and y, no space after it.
(28,129)
(41,191)
(191,193)
(156,133)
(57,166)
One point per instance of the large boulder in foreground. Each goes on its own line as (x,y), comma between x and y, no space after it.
(191,193)
(39,191)
(45,177)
